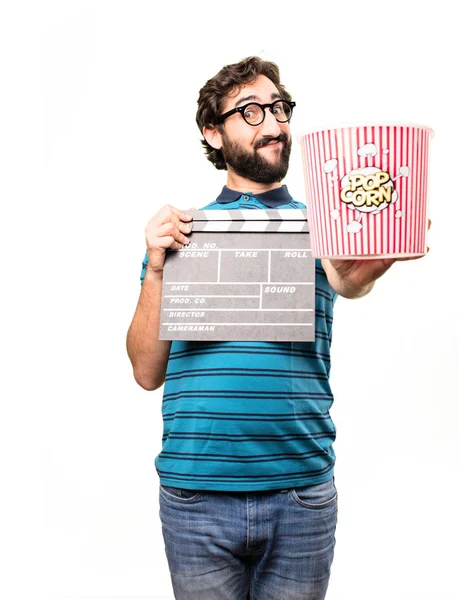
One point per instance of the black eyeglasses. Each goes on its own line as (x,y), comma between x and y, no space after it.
(254,113)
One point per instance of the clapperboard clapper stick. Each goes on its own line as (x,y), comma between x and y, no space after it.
(246,275)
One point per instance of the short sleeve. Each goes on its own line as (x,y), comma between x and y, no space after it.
(143,267)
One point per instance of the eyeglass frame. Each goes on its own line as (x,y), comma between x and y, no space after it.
(270,105)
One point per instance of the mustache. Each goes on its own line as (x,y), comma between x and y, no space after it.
(282,137)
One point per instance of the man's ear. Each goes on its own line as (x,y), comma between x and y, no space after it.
(212,136)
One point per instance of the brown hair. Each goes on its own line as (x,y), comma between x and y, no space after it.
(212,95)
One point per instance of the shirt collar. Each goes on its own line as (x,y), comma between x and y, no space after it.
(272,199)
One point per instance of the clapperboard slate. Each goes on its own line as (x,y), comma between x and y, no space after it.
(246,275)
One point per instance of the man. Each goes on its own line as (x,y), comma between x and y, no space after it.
(247,502)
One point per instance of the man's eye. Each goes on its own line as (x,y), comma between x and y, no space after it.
(249,113)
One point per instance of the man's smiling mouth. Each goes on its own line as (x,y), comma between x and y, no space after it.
(271,143)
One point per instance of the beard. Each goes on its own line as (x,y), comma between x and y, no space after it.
(251,165)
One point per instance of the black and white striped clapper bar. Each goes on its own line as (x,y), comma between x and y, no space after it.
(246,275)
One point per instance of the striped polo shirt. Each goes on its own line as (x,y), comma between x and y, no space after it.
(246,416)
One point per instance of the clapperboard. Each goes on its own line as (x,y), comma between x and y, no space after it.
(246,275)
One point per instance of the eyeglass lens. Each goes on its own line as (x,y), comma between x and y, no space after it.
(254,114)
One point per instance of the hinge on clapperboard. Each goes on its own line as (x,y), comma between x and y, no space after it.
(246,221)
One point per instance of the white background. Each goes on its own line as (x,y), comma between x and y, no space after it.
(98,130)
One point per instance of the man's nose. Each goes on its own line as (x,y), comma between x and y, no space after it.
(270,127)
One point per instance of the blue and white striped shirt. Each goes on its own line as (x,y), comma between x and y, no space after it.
(245,416)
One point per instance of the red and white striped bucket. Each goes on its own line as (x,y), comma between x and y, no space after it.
(366,189)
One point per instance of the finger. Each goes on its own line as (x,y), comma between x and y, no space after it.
(176,246)
(173,227)
(180,214)
(169,213)
(166,243)
(412,257)
(166,236)
(166,214)
(180,220)
(184,228)
(169,229)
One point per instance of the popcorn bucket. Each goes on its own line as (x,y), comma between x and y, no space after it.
(366,189)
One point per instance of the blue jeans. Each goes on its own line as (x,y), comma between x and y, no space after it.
(275,545)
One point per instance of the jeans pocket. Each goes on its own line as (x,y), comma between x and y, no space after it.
(318,496)
(179,494)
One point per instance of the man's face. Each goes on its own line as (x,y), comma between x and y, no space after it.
(258,153)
